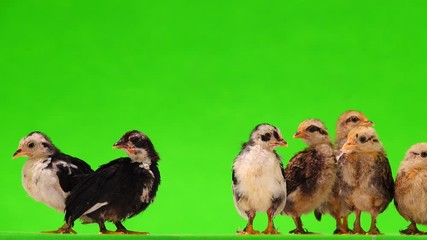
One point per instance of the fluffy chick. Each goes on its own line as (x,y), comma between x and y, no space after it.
(411,188)
(366,182)
(258,181)
(348,121)
(49,175)
(311,173)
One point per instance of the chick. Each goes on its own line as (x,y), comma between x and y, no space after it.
(258,181)
(119,189)
(335,205)
(411,188)
(366,182)
(348,121)
(311,173)
(49,175)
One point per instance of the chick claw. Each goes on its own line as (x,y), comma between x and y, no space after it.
(342,231)
(299,231)
(374,231)
(110,232)
(247,232)
(270,230)
(62,230)
(359,231)
(131,232)
(412,230)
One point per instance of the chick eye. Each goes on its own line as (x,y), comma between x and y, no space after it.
(363,139)
(353,119)
(133,139)
(31,145)
(423,154)
(312,129)
(266,137)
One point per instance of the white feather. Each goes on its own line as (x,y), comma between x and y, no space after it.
(42,183)
(260,181)
(145,197)
(68,165)
(95,207)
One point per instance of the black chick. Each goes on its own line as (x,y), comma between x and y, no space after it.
(119,189)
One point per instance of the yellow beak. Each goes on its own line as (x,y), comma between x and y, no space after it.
(20,153)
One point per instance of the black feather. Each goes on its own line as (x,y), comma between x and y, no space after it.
(302,171)
(313,128)
(233,177)
(384,180)
(317,214)
(121,183)
(276,136)
(68,175)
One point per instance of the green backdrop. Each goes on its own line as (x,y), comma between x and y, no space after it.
(197,76)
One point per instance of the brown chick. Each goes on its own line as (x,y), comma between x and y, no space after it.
(348,121)
(335,206)
(366,182)
(310,174)
(411,188)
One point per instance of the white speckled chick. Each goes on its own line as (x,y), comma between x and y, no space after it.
(258,181)
(49,175)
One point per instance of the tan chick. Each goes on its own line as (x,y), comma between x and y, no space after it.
(310,174)
(335,206)
(411,188)
(348,121)
(366,182)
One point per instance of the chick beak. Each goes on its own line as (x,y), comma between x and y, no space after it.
(299,134)
(348,146)
(19,153)
(121,145)
(367,123)
(282,143)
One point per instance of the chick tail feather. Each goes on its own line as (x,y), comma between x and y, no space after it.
(318,214)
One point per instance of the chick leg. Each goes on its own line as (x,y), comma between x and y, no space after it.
(342,226)
(373,230)
(357,229)
(122,230)
(345,225)
(65,229)
(270,227)
(339,228)
(249,227)
(103,229)
(412,230)
(298,224)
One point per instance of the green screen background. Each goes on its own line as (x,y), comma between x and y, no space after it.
(197,76)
